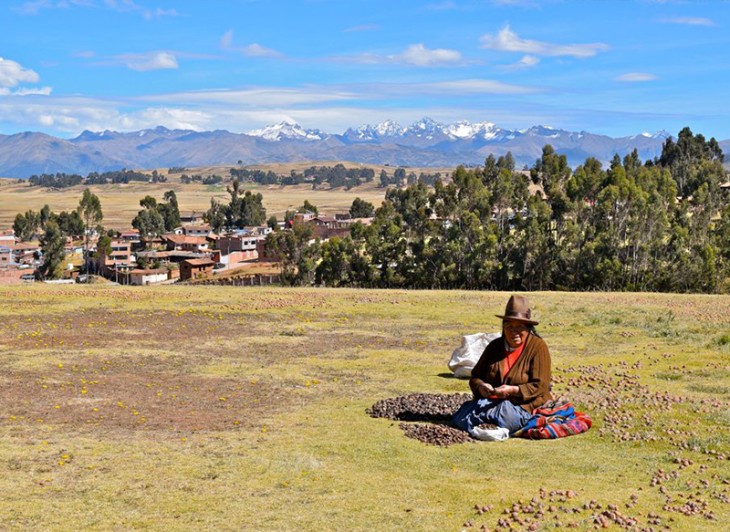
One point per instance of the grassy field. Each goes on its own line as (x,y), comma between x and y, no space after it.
(120,203)
(191,408)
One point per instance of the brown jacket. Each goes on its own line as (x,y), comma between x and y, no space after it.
(531,372)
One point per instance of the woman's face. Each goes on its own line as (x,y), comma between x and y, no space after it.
(515,332)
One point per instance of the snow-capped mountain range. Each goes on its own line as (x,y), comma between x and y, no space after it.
(287,130)
(425,143)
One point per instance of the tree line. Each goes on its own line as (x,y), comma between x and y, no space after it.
(63,180)
(335,176)
(660,225)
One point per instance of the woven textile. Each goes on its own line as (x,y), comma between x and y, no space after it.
(554,420)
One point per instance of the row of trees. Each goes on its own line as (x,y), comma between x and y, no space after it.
(400,178)
(336,176)
(63,180)
(662,225)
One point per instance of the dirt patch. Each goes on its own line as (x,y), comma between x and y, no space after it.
(129,395)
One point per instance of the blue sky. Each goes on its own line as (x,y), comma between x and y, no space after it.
(611,67)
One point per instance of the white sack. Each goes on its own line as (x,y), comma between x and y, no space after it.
(495,434)
(465,357)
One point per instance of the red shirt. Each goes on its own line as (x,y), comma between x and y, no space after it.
(511,358)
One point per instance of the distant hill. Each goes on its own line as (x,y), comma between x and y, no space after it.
(425,143)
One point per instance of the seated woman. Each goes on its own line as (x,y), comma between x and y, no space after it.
(512,376)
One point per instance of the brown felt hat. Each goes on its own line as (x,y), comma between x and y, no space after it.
(518,309)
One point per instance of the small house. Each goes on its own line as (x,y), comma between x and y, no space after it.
(141,277)
(195,268)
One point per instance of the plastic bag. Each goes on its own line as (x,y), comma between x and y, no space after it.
(495,434)
(466,356)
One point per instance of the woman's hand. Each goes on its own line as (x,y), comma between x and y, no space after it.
(506,390)
(486,390)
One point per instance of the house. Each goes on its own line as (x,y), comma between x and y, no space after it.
(71,247)
(141,277)
(261,252)
(196,244)
(168,257)
(191,217)
(121,259)
(196,230)
(195,268)
(7,237)
(26,253)
(329,226)
(6,256)
(303,216)
(238,247)
(259,230)
(237,242)
(130,235)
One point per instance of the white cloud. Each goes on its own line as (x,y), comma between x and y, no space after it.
(419,55)
(527,61)
(33,7)
(416,55)
(42,91)
(150,61)
(689,21)
(634,77)
(12,73)
(331,108)
(130,6)
(258,96)
(508,41)
(475,86)
(159,12)
(256,50)
(171,118)
(226,40)
(252,50)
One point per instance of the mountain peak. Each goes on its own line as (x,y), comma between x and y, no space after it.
(287,129)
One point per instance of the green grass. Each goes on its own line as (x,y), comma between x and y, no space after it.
(244,409)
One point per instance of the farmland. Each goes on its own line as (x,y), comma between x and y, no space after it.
(245,408)
(120,202)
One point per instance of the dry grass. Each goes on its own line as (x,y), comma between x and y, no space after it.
(120,203)
(244,408)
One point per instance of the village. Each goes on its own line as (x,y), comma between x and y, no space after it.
(191,252)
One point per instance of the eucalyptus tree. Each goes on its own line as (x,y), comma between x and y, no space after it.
(52,245)
(90,210)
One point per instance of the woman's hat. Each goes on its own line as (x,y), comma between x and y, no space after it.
(518,309)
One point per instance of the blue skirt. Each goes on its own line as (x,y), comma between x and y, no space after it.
(500,412)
